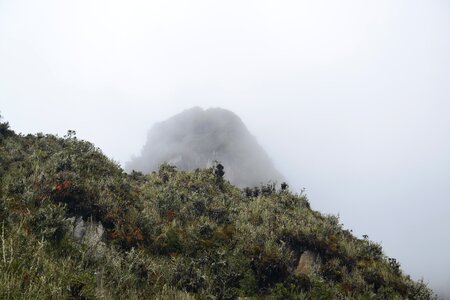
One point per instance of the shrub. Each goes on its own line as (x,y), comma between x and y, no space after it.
(50,222)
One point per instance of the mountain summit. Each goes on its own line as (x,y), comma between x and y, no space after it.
(196,138)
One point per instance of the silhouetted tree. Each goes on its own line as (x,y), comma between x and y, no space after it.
(219,170)
(248,192)
(256,191)
(267,189)
(70,134)
(4,129)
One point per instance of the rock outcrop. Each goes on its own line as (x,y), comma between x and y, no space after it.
(308,263)
(196,138)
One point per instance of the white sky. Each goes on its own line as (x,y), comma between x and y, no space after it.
(351,99)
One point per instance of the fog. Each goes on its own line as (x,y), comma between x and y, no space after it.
(351,99)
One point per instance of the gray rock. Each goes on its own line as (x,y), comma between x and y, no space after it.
(196,138)
(89,232)
(308,263)
(79,229)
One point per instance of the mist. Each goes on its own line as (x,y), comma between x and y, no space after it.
(350,99)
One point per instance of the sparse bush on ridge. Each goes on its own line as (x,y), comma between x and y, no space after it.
(170,234)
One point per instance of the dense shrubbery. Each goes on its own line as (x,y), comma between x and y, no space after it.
(169,234)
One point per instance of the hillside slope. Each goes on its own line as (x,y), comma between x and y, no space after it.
(75,225)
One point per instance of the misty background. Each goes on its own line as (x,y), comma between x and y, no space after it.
(350,99)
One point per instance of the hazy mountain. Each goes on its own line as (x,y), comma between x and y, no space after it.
(196,138)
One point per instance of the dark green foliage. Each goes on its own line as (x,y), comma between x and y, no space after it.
(171,234)
(171,243)
(248,192)
(268,189)
(4,130)
(249,284)
(219,170)
(395,265)
(81,286)
(50,222)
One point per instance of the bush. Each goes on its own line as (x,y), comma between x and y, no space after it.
(50,222)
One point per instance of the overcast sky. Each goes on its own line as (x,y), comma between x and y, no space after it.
(351,99)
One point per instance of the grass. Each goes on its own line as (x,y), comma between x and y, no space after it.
(169,234)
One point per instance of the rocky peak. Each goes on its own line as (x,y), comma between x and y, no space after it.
(196,138)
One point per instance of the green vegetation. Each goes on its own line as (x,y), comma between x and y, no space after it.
(75,226)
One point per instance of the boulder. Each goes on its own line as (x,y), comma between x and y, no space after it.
(308,263)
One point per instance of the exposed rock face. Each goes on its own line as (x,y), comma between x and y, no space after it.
(307,263)
(196,138)
(89,232)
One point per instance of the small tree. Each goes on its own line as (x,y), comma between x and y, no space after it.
(219,170)
(4,128)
